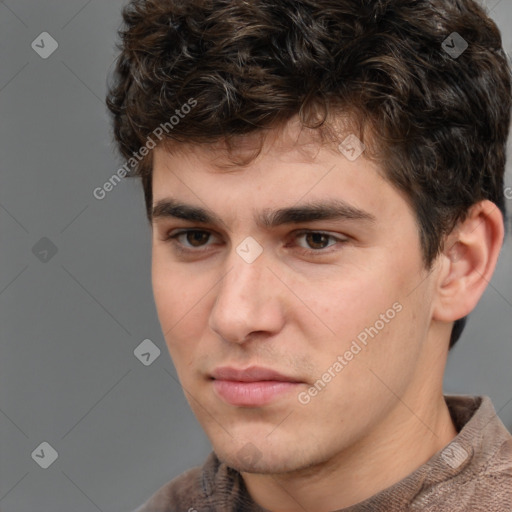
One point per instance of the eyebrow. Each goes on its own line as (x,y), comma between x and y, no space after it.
(332,209)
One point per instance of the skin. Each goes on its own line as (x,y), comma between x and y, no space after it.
(383,415)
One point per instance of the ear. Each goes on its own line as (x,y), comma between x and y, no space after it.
(468,261)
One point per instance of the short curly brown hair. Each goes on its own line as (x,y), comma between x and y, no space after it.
(438,120)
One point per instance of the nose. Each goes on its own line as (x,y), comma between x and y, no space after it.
(250,300)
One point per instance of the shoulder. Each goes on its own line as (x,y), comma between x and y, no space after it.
(475,469)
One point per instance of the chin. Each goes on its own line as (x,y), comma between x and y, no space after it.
(249,458)
(266,465)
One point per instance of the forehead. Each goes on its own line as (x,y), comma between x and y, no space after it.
(287,141)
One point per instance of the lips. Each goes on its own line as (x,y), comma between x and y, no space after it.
(251,387)
(252,374)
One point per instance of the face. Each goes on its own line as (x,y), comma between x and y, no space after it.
(335,299)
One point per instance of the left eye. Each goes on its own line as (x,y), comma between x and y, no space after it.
(316,238)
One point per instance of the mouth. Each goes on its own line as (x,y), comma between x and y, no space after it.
(251,387)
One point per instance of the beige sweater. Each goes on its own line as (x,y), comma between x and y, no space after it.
(472,474)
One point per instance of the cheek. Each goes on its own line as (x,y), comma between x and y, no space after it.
(369,316)
(179,301)
(351,301)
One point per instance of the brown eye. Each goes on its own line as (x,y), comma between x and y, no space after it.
(192,240)
(318,243)
(317,240)
(195,238)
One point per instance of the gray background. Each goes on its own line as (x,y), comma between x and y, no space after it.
(70,321)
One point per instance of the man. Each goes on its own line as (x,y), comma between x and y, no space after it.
(324,182)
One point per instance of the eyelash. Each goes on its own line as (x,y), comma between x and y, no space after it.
(173,239)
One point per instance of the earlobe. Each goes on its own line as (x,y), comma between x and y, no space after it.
(468,262)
